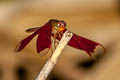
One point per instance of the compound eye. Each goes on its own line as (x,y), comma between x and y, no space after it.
(62,24)
(58,24)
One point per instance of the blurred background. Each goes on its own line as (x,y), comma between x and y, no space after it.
(98,20)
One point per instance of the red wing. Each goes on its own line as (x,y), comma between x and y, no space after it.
(83,44)
(25,41)
(44,37)
(43,40)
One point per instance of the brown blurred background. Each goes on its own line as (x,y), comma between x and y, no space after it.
(97,20)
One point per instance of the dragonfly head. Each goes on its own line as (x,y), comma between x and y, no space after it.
(59,25)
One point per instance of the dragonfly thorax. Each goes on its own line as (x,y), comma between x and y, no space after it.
(58,25)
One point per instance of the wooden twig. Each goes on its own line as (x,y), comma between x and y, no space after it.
(49,65)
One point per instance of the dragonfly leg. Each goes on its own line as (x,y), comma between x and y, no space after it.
(55,35)
(51,45)
(53,42)
(62,33)
(60,36)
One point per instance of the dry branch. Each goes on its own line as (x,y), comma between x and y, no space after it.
(49,65)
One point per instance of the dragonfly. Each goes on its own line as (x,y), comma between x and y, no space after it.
(51,33)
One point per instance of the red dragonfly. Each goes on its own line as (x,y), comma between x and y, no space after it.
(55,28)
